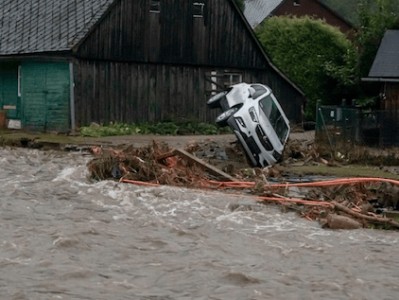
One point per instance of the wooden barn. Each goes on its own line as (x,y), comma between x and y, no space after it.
(65,64)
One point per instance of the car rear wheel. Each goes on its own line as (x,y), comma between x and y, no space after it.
(221,119)
(214,101)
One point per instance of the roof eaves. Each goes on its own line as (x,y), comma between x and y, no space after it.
(380,79)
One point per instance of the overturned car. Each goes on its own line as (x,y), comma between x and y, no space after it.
(256,118)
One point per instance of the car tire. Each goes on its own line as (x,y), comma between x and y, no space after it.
(214,101)
(221,120)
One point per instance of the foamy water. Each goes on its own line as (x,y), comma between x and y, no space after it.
(64,237)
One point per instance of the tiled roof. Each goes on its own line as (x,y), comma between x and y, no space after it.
(386,62)
(257,10)
(31,26)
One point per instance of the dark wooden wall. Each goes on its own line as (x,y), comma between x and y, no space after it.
(133,93)
(138,66)
(315,9)
(130,32)
(391,101)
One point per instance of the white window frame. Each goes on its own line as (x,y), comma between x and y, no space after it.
(200,7)
(231,78)
(214,78)
(155,6)
(221,80)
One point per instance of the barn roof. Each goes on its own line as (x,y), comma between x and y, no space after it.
(32,26)
(386,62)
(257,10)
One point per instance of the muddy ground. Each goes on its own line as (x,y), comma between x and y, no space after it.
(302,155)
(221,151)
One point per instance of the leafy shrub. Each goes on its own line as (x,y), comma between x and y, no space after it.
(161,128)
(316,56)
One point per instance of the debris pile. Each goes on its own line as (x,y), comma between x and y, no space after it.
(145,164)
(345,203)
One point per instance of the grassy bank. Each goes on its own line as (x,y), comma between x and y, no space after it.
(344,171)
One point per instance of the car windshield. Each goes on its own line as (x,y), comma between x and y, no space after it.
(275,117)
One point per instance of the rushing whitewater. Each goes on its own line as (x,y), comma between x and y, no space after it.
(64,237)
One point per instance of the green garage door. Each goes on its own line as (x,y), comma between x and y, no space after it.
(45,96)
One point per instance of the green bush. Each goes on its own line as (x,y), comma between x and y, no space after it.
(95,130)
(314,55)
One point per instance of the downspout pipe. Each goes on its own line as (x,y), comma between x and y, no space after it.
(72,97)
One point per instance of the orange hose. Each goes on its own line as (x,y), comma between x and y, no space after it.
(340,181)
(259,198)
(139,182)
(296,201)
(251,184)
(248,184)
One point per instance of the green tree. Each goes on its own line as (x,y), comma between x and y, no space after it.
(314,55)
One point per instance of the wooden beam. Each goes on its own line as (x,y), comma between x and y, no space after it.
(211,169)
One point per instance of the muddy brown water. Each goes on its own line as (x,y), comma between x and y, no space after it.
(64,237)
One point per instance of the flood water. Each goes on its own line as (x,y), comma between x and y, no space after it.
(64,237)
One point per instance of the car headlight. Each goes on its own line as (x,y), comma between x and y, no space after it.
(253,115)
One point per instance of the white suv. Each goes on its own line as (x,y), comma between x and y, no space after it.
(257,119)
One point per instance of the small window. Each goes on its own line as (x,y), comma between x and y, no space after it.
(155,6)
(231,78)
(198,9)
(214,80)
(218,81)
(297,2)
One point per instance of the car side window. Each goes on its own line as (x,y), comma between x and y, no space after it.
(259,90)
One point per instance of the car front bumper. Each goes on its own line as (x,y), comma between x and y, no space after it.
(252,147)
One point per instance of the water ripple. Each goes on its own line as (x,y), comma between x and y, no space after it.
(65,237)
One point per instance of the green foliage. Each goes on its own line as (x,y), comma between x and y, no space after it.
(162,128)
(95,130)
(314,55)
(240,4)
(375,17)
(366,102)
(348,10)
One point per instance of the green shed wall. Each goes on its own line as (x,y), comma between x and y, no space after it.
(9,99)
(45,96)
